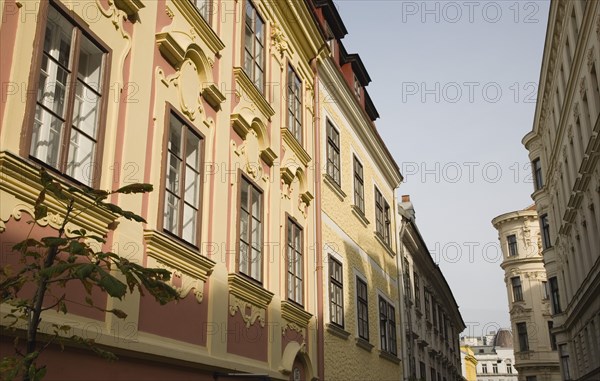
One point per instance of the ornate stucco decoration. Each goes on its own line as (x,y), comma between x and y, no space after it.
(249,299)
(251,98)
(293,327)
(304,202)
(279,40)
(295,314)
(190,266)
(248,151)
(299,151)
(130,7)
(255,146)
(21,186)
(249,312)
(590,58)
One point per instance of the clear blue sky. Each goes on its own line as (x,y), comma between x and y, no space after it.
(455,84)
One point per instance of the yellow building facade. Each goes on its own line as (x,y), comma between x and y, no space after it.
(469,363)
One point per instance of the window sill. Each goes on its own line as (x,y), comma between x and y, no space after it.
(296,146)
(337,331)
(360,215)
(390,357)
(364,344)
(334,186)
(252,93)
(295,313)
(386,246)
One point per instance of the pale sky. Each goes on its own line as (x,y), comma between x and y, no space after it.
(455,84)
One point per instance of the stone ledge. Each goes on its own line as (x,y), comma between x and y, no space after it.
(360,215)
(334,186)
(364,344)
(388,356)
(337,331)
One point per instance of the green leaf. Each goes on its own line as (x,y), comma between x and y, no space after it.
(54,241)
(111,285)
(56,269)
(77,248)
(118,313)
(135,188)
(45,178)
(84,270)
(41,211)
(133,216)
(112,207)
(23,245)
(39,374)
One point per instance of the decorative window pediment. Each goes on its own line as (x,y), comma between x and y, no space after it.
(249,298)
(131,7)
(250,96)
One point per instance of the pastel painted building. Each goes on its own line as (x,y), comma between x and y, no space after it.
(212,102)
(536,355)
(468,363)
(495,358)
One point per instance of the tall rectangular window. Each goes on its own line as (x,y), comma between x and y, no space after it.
(484,368)
(204,8)
(359,186)
(544,290)
(427,306)
(362,306)
(250,226)
(387,326)
(336,293)
(382,217)
(69,101)
(538,180)
(182,181)
(555,295)
(563,353)
(295,263)
(254,46)
(523,339)
(294,104)
(512,245)
(417,290)
(357,87)
(422,371)
(552,336)
(495,368)
(333,153)
(517,289)
(509,369)
(545,230)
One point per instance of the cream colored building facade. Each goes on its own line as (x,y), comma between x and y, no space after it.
(536,352)
(564,149)
(431,320)
(362,337)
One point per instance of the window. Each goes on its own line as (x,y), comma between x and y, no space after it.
(362,306)
(359,186)
(563,353)
(545,227)
(512,245)
(182,181)
(552,336)
(531,378)
(387,326)
(484,368)
(422,371)
(538,181)
(294,104)
(417,291)
(336,293)
(407,293)
(67,122)
(205,8)
(544,290)
(523,339)
(509,369)
(295,262)
(254,46)
(554,294)
(250,257)
(495,368)
(382,217)
(427,307)
(517,289)
(357,87)
(333,153)
(432,373)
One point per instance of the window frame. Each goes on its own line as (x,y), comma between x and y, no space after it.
(382,217)
(80,28)
(297,127)
(364,303)
(517,289)
(359,184)
(388,339)
(538,179)
(513,249)
(169,111)
(545,231)
(339,284)
(417,290)
(243,177)
(207,14)
(554,295)
(523,336)
(252,76)
(296,229)
(332,145)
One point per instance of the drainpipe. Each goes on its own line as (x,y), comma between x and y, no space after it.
(318,222)
(402,299)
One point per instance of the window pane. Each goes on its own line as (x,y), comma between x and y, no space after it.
(57,41)
(173,174)
(46,137)
(189,223)
(52,88)
(81,155)
(85,111)
(171,213)
(243,258)
(175,137)
(256,265)
(244,221)
(90,64)
(192,187)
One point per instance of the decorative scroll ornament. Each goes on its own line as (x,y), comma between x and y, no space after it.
(249,152)
(292,326)
(279,40)
(185,284)
(249,312)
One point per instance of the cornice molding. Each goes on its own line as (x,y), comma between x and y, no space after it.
(254,96)
(203,30)
(295,146)
(295,314)
(249,291)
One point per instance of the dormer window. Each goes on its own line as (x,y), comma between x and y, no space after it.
(357,87)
